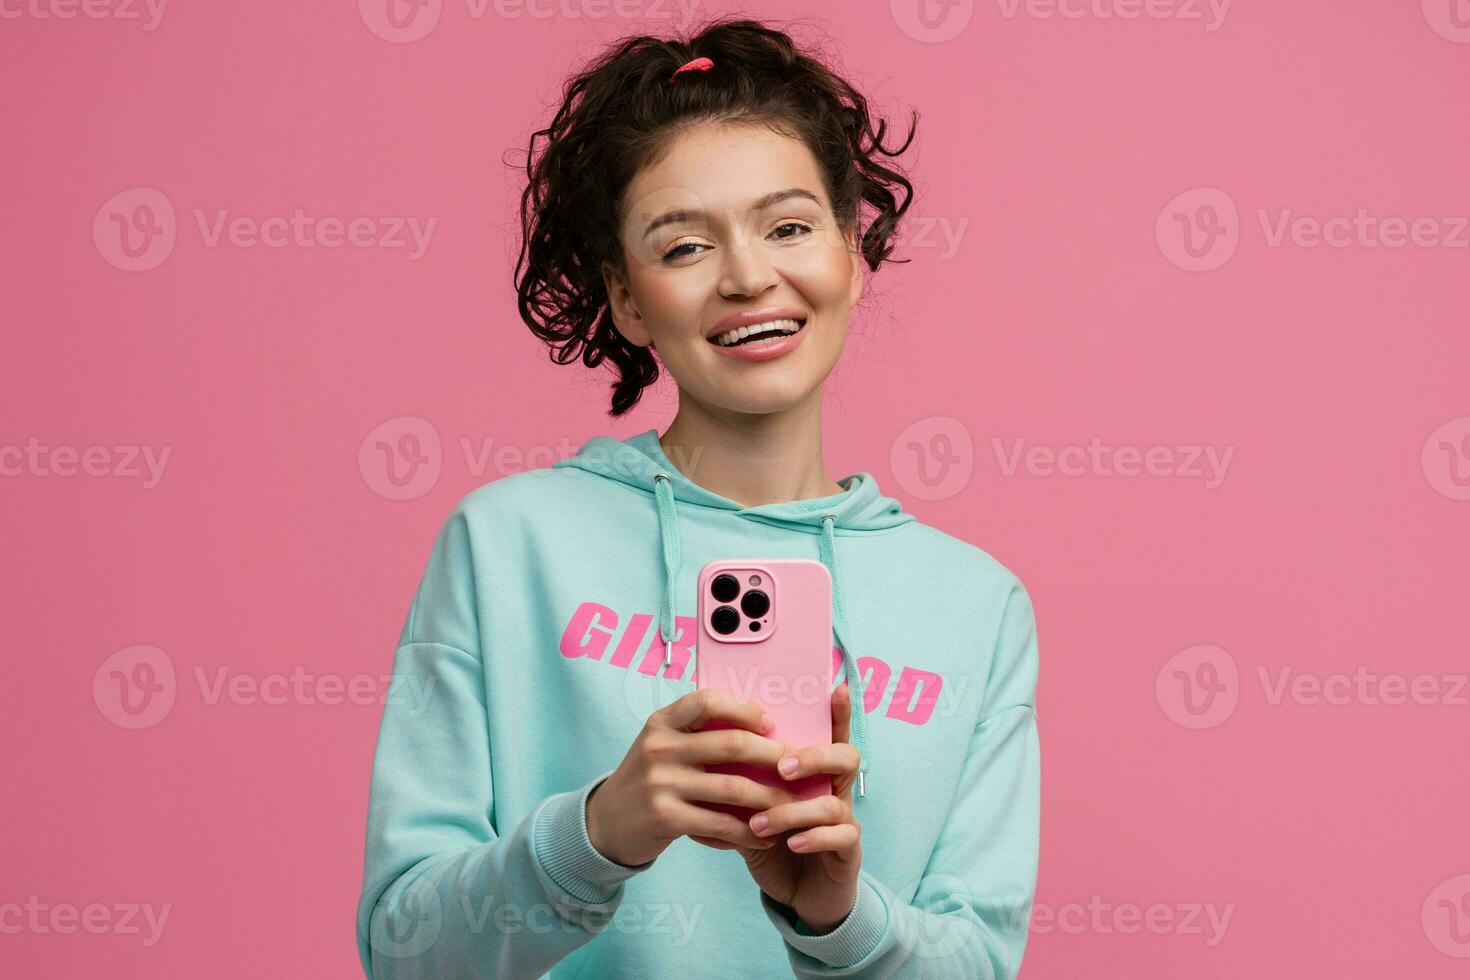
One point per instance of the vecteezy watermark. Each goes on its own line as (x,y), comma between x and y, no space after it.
(410,925)
(1210,13)
(402,458)
(1446,917)
(934,459)
(677,920)
(146,12)
(137,687)
(1200,229)
(41,918)
(937,233)
(1200,687)
(135,230)
(1363,230)
(405,21)
(120,462)
(1096,916)
(934,22)
(1450,19)
(1206,463)
(1446,458)
(1364,686)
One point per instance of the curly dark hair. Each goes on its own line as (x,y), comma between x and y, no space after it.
(620,112)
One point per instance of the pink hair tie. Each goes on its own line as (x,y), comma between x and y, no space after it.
(698,64)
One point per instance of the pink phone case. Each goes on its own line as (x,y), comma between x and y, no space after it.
(785,663)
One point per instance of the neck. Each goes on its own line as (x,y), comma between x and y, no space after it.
(751,459)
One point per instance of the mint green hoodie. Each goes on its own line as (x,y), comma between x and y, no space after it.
(534,650)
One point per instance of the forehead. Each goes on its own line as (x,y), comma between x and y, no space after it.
(721,168)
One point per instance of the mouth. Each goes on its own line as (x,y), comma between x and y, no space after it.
(757,335)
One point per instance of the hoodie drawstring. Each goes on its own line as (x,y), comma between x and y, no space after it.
(668,532)
(669,538)
(856,694)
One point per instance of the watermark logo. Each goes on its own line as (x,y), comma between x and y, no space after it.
(1208,464)
(400,21)
(1446,917)
(147,12)
(1363,687)
(1446,459)
(933,458)
(406,21)
(1450,19)
(40,918)
(1362,230)
(1199,229)
(1204,919)
(135,230)
(120,462)
(135,687)
(932,21)
(401,458)
(1198,687)
(414,924)
(1211,13)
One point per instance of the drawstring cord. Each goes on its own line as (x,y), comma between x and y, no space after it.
(859,734)
(668,532)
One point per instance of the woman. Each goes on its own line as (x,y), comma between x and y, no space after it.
(536,807)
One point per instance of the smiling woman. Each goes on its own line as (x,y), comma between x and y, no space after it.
(650,206)
(709,207)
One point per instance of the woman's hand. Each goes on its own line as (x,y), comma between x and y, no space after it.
(647,802)
(815,870)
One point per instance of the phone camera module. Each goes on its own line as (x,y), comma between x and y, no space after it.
(755,603)
(725,588)
(725,620)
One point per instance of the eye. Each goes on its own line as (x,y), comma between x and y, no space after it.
(793,224)
(674,252)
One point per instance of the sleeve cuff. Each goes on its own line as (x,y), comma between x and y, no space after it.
(566,852)
(853,939)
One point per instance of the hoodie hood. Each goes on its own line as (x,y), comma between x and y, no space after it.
(639,462)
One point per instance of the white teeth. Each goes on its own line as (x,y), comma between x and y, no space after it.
(770,326)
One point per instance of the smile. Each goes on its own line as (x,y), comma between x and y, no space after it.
(758,334)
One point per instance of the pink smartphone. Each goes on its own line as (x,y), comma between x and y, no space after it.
(765,633)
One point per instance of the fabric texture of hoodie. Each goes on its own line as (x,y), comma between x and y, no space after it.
(556,613)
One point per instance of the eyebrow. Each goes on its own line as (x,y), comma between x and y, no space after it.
(775,197)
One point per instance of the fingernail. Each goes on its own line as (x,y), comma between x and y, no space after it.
(759,822)
(798,842)
(787,765)
(767,723)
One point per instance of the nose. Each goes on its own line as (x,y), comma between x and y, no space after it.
(748,269)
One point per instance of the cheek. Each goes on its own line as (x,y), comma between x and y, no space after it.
(824,278)
(670,305)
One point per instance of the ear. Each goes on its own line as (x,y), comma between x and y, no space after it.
(626,318)
(855,285)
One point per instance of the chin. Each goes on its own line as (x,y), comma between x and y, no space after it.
(768,400)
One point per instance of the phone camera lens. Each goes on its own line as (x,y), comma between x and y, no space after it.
(725,620)
(755,603)
(725,588)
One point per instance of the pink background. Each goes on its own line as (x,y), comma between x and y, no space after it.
(1059,309)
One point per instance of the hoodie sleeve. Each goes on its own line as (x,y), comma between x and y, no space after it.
(446,892)
(970,914)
